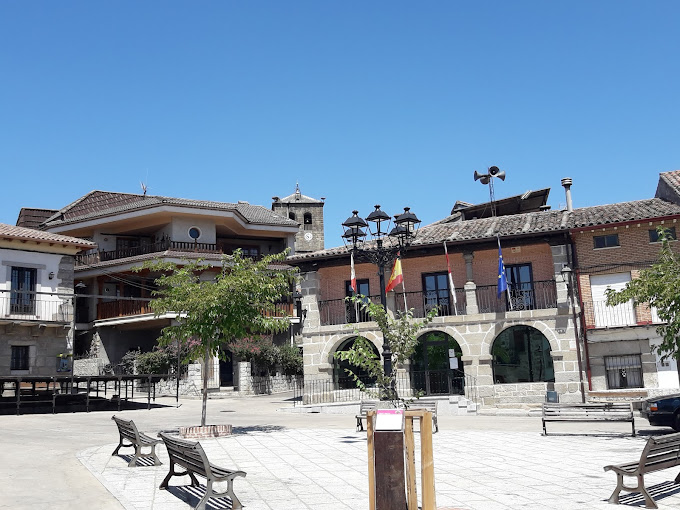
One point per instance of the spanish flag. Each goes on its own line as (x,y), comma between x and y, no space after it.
(396,278)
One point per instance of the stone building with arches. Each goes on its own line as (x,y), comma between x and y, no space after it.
(513,350)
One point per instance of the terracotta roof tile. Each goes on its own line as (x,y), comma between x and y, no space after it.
(103,203)
(526,224)
(29,234)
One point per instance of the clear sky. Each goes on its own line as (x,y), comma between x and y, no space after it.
(362,102)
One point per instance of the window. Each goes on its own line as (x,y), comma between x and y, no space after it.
(127,243)
(353,312)
(307,220)
(520,284)
(522,354)
(436,292)
(623,371)
(654,234)
(22,300)
(608,241)
(291,215)
(194,233)
(19,359)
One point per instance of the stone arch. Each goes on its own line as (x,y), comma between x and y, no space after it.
(337,340)
(491,334)
(453,333)
(521,354)
(340,367)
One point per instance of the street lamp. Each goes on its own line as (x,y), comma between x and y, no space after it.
(377,224)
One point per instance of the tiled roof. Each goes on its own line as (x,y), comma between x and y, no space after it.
(669,186)
(31,217)
(29,234)
(451,229)
(298,198)
(104,203)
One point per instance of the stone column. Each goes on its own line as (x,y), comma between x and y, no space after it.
(470,286)
(559,255)
(310,288)
(245,378)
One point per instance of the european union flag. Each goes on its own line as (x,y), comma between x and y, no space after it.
(502,280)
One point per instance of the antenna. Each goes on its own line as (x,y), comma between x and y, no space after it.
(144,187)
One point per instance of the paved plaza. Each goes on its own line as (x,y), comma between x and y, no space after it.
(317,461)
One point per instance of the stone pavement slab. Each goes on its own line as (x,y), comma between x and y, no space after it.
(321,469)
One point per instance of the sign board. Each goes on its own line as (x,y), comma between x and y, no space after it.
(389,419)
(453,363)
(452,353)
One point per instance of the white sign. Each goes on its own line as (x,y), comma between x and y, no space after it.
(389,419)
(452,353)
(453,363)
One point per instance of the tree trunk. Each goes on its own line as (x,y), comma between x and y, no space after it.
(205,386)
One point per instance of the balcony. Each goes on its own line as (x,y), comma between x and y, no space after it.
(599,315)
(130,307)
(341,311)
(96,257)
(35,306)
(538,295)
(423,302)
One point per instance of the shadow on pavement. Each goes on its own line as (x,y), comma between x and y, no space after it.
(192,495)
(658,493)
(257,428)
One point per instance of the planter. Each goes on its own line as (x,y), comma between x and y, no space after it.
(208,431)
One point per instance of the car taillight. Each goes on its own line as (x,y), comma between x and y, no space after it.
(653,406)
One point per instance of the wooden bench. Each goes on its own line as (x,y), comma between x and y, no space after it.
(427,405)
(128,431)
(603,411)
(191,456)
(365,407)
(660,452)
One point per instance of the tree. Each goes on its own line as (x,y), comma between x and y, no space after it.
(401,333)
(659,286)
(237,303)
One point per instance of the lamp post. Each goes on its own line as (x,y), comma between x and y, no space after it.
(380,254)
(567,276)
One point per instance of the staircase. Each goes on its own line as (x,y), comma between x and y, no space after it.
(461,406)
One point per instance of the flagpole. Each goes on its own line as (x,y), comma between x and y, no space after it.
(452,288)
(507,287)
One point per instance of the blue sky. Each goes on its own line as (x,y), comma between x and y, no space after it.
(396,103)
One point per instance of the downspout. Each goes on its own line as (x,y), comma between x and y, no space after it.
(571,256)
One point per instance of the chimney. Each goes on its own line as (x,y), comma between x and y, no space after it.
(566,182)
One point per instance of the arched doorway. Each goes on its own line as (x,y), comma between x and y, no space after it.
(340,375)
(436,366)
(522,354)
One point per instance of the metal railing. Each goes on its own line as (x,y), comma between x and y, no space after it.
(423,301)
(538,295)
(408,385)
(599,315)
(38,306)
(342,311)
(130,306)
(71,393)
(98,256)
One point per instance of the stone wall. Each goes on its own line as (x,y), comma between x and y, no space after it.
(45,343)
(259,385)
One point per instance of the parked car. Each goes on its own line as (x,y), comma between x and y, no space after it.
(663,411)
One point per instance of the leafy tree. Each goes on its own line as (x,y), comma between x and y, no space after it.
(238,302)
(401,333)
(659,285)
